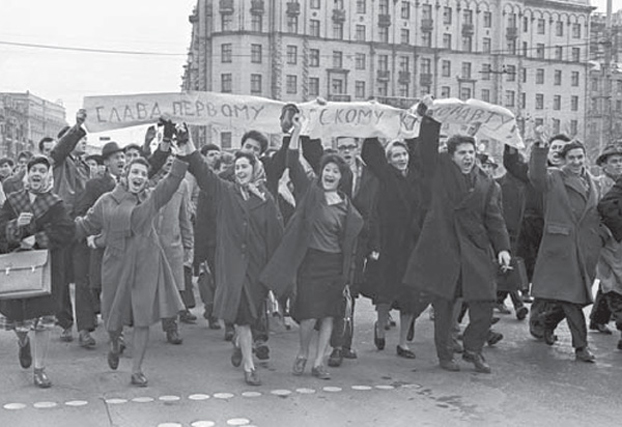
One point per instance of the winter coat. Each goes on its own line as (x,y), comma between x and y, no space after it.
(248,232)
(570,247)
(609,267)
(463,225)
(280,273)
(513,204)
(138,286)
(51,220)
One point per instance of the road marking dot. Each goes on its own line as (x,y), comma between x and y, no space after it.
(116,401)
(223,395)
(361,387)
(198,396)
(77,403)
(305,390)
(251,394)
(203,424)
(332,389)
(14,406)
(169,398)
(143,399)
(238,422)
(45,405)
(385,387)
(281,392)
(170,425)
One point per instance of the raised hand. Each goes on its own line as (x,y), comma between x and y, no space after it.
(81,116)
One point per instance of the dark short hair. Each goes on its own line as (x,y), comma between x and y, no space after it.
(207,148)
(139,161)
(455,140)
(43,141)
(257,136)
(133,147)
(8,160)
(573,145)
(561,137)
(245,155)
(27,154)
(336,159)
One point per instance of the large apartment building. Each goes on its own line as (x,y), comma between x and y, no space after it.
(527,55)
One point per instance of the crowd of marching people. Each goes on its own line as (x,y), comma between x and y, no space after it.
(409,224)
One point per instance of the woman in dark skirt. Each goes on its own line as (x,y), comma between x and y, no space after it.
(316,252)
(35,218)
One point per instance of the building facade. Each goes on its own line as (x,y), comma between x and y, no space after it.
(530,56)
(25,119)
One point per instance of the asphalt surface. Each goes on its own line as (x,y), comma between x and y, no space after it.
(194,384)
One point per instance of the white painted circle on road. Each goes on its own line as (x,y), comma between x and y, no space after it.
(332,389)
(251,394)
(281,392)
(361,387)
(77,403)
(14,406)
(305,390)
(143,399)
(203,424)
(238,422)
(169,398)
(45,405)
(198,396)
(116,401)
(223,395)
(385,387)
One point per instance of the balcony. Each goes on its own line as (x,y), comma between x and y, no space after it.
(467,30)
(339,98)
(339,15)
(384,75)
(425,79)
(257,7)
(226,7)
(511,33)
(293,8)
(427,24)
(384,20)
(404,77)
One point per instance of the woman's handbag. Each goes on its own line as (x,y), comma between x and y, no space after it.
(25,274)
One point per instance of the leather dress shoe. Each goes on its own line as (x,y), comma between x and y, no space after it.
(411,331)
(139,379)
(522,313)
(66,335)
(335,359)
(262,351)
(449,365)
(41,380)
(25,354)
(113,360)
(405,353)
(320,372)
(493,338)
(236,356)
(251,378)
(229,332)
(549,337)
(86,340)
(603,329)
(187,317)
(584,355)
(348,353)
(478,360)
(173,337)
(213,323)
(379,342)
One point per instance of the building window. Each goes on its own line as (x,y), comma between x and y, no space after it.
(404,63)
(511,44)
(426,66)
(226,82)
(576,54)
(361,6)
(339,4)
(292,55)
(559,29)
(292,84)
(225,140)
(337,59)
(485,71)
(512,21)
(383,88)
(540,51)
(522,100)
(486,45)
(559,53)
(338,30)
(539,122)
(523,74)
(406,9)
(487,19)
(337,87)
(557,102)
(574,78)
(383,7)
(540,76)
(556,126)
(510,70)
(540,28)
(314,28)
(447,41)
(256,53)
(574,125)
(360,33)
(315,4)
(539,101)
(576,31)
(426,39)
(465,93)
(383,62)
(447,12)
(383,34)
(467,43)
(255,84)
(510,98)
(467,17)
(405,36)
(360,61)
(314,57)
(226,51)
(486,95)
(359,89)
(525,49)
(257,23)
(292,24)
(403,90)
(226,22)
(557,78)
(595,84)
(446,68)
(526,24)
(314,86)
(424,90)
(445,92)
(466,70)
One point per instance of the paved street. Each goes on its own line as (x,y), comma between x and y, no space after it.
(195,385)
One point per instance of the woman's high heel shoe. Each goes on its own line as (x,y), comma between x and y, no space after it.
(380,342)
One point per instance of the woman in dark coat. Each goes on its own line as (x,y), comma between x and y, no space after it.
(35,218)
(316,252)
(399,216)
(249,230)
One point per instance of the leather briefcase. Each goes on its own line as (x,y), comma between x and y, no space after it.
(514,279)
(25,274)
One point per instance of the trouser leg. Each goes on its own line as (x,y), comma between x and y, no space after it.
(260,329)
(576,322)
(169,324)
(64,313)
(187,295)
(553,314)
(517,301)
(85,305)
(480,317)
(600,314)
(443,314)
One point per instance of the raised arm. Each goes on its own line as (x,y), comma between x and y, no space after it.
(275,166)
(67,143)
(538,175)
(375,158)
(185,224)
(515,164)
(158,158)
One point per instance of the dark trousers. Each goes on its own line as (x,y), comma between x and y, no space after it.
(64,310)
(86,302)
(573,313)
(207,283)
(517,301)
(342,331)
(480,320)
(614,305)
(187,295)
(600,310)
(528,241)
